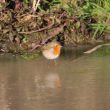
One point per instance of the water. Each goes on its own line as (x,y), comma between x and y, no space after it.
(69,83)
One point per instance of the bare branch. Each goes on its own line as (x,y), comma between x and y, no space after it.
(42,29)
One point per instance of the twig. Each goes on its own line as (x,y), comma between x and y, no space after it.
(93,49)
(36,46)
(42,29)
(35,5)
(96,47)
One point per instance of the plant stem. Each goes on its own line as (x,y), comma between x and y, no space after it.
(35,5)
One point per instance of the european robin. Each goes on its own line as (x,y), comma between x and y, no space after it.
(51,50)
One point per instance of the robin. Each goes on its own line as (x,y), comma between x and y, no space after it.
(51,50)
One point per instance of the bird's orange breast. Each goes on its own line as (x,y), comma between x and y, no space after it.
(57,50)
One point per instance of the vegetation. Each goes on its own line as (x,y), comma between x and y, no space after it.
(26,25)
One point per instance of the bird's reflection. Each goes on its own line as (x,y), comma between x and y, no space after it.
(49,80)
(52,80)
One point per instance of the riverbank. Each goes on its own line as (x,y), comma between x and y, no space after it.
(23,29)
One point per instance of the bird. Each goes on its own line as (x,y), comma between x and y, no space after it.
(51,50)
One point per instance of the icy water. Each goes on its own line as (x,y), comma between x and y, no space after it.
(69,83)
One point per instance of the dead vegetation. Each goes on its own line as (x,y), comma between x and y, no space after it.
(23,27)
